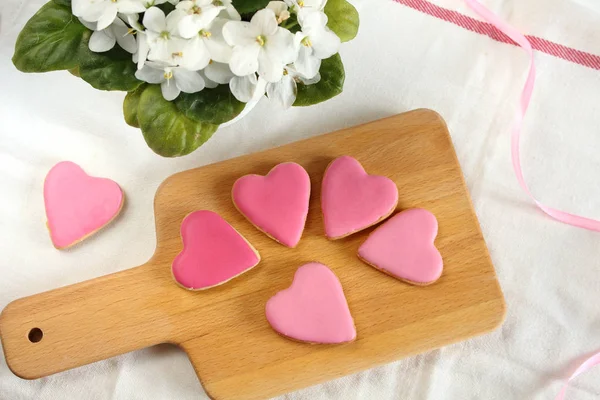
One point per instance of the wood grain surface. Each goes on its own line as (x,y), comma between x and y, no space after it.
(224,330)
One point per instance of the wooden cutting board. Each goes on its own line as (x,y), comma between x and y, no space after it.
(224,330)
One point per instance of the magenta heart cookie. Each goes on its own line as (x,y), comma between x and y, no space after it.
(277,203)
(353,200)
(213,252)
(404,248)
(313,309)
(77,205)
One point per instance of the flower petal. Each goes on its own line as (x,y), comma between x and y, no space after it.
(208,83)
(173,20)
(280,46)
(188,81)
(150,74)
(243,87)
(219,50)
(325,43)
(188,27)
(277,6)
(107,17)
(271,70)
(307,64)
(100,41)
(310,18)
(207,15)
(230,13)
(244,59)
(240,33)
(310,81)
(143,48)
(125,39)
(90,25)
(130,6)
(195,54)
(284,92)
(154,19)
(218,72)
(169,90)
(265,22)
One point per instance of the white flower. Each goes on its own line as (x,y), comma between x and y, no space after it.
(200,13)
(280,9)
(260,45)
(243,88)
(141,53)
(173,80)
(104,12)
(229,12)
(284,92)
(161,33)
(208,44)
(316,42)
(300,5)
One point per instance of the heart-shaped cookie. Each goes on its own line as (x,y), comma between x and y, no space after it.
(213,252)
(313,309)
(77,205)
(276,203)
(404,248)
(353,200)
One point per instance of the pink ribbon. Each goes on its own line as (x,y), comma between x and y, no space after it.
(558,215)
(522,41)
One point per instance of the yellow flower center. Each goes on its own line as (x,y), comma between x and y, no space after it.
(196,10)
(177,54)
(168,75)
(165,35)
(205,34)
(261,40)
(306,42)
(301,3)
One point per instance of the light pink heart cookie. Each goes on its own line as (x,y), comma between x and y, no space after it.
(77,205)
(404,248)
(352,200)
(277,203)
(313,309)
(213,252)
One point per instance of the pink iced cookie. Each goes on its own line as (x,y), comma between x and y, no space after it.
(277,203)
(78,205)
(313,309)
(352,200)
(213,252)
(403,247)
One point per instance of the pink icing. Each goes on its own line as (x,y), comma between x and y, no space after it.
(213,252)
(352,200)
(404,247)
(313,309)
(276,203)
(77,204)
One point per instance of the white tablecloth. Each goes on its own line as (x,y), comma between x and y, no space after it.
(402,59)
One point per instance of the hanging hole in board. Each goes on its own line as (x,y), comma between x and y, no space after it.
(35,335)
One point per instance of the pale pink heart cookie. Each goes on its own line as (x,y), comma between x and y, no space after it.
(404,248)
(213,252)
(313,309)
(77,205)
(353,200)
(277,203)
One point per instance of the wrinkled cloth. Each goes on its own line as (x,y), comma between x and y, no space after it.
(402,59)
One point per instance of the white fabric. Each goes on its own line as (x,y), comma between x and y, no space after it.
(401,60)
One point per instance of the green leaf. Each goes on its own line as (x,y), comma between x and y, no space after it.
(51,40)
(249,6)
(167,131)
(130,106)
(214,106)
(330,85)
(342,19)
(66,3)
(165,7)
(111,70)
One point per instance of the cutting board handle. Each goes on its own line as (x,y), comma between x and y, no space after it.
(86,322)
